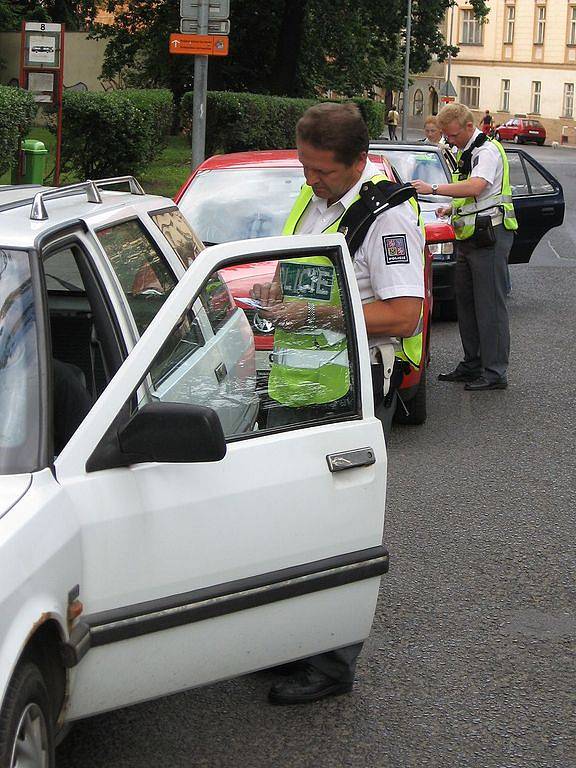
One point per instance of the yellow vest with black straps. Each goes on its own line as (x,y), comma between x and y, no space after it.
(466,209)
(310,366)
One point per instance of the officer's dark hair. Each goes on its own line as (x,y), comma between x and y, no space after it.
(339,128)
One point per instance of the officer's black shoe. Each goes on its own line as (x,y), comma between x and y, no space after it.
(481,384)
(457,375)
(308,684)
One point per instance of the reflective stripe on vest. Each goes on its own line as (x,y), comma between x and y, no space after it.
(466,209)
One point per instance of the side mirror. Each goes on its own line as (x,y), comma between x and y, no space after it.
(162,432)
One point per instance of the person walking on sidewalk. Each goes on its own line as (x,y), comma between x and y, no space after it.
(392,120)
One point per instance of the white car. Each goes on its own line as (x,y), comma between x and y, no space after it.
(155,535)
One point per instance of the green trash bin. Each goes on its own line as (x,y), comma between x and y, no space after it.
(33,163)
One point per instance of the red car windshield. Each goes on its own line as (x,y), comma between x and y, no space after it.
(240,203)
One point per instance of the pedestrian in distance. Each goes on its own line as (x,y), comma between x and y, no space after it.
(392,119)
(332,142)
(484,223)
(486,123)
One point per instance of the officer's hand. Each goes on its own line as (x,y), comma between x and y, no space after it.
(443,212)
(421,187)
(288,315)
(266,293)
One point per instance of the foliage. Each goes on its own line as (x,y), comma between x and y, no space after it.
(242,121)
(113,133)
(286,47)
(17,110)
(76,14)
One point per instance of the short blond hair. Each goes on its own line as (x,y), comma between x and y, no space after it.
(431,119)
(454,111)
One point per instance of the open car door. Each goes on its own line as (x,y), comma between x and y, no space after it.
(538,202)
(208,555)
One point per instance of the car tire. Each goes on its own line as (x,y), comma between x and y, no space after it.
(445,310)
(497,136)
(517,139)
(26,720)
(416,406)
(540,142)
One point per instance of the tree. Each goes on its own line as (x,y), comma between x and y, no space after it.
(289,47)
(75,14)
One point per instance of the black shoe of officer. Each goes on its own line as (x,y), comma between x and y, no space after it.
(458,375)
(308,684)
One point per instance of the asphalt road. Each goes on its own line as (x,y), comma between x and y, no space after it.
(471,661)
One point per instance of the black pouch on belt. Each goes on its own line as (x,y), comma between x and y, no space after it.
(484,235)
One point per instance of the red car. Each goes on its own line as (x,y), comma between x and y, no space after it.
(249,194)
(521,130)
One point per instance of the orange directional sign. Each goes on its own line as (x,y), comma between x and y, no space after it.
(200,45)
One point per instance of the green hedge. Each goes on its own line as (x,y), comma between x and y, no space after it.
(236,122)
(17,111)
(114,133)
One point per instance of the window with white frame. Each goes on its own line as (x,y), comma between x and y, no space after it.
(540,24)
(470,91)
(510,19)
(572,28)
(505,95)
(471,32)
(568,107)
(535,97)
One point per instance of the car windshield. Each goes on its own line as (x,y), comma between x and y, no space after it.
(415,164)
(240,203)
(19,381)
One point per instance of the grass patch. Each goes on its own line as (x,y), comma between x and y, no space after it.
(164,176)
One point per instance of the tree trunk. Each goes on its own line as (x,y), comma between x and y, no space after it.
(288,47)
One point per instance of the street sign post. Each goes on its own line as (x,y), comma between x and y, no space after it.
(42,70)
(204,27)
(219,10)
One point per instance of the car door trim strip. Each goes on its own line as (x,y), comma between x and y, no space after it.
(119,624)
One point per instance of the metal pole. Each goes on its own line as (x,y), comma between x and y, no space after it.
(449,55)
(406,70)
(200,87)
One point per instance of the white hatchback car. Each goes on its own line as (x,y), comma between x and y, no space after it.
(155,534)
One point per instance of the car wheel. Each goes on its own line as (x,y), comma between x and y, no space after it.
(497,136)
(540,142)
(416,407)
(517,139)
(445,310)
(26,727)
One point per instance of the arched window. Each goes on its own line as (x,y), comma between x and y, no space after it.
(418,105)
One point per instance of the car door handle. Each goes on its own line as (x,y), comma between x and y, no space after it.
(548,211)
(361,457)
(220,372)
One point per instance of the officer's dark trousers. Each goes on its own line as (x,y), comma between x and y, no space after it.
(480,285)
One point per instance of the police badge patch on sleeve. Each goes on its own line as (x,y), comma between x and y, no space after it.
(396,249)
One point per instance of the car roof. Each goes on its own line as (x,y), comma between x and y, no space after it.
(271,158)
(19,230)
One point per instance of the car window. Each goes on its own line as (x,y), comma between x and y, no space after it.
(414,164)
(19,375)
(525,179)
(144,275)
(240,204)
(62,273)
(308,377)
(185,242)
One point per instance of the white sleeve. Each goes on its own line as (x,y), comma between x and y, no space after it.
(389,262)
(485,164)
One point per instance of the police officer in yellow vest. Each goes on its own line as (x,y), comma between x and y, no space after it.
(332,142)
(484,221)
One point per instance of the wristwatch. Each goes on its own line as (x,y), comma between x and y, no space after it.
(434,189)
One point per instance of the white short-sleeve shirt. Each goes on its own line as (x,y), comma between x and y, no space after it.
(389,263)
(487,164)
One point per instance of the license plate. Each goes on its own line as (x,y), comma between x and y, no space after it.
(536,132)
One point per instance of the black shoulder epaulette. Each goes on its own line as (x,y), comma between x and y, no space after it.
(374,200)
(465,162)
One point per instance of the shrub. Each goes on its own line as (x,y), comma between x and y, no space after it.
(236,122)
(17,111)
(114,133)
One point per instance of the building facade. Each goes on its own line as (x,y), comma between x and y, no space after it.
(521,62)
